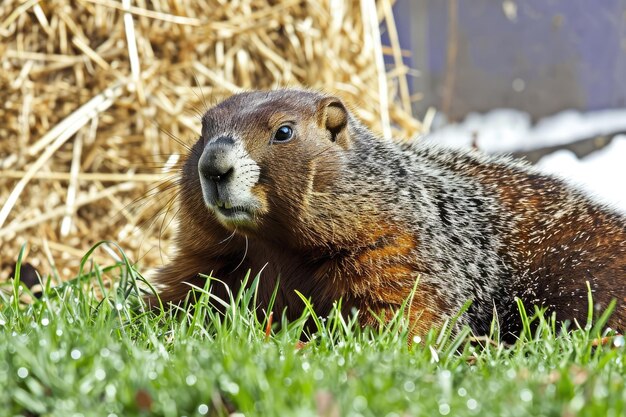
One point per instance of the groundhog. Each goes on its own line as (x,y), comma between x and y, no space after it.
(290,184)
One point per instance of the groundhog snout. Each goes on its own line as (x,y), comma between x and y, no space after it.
(227,175)
(216,168)
(218,160)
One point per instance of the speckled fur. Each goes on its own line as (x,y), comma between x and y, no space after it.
(361,218)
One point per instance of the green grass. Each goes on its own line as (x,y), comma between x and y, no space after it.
(74,353)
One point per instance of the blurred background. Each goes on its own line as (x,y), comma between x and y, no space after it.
(538,56)
(100,98)
(544,80)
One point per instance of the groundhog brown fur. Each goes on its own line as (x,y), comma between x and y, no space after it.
(290,184)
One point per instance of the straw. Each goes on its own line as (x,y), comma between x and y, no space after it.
(101,100)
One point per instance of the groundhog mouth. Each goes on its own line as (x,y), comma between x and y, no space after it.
(233,215)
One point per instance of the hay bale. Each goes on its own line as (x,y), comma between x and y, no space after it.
(100,97)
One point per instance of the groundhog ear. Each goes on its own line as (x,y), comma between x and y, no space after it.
(333,116)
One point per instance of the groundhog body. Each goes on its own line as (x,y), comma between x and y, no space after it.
(288,183)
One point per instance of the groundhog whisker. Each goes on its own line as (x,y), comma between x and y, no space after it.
(230,237)
(176,139)
(149,222)
(243,257)
(167,194)
(138,202)
(202,97)
(198,112)
(169,184)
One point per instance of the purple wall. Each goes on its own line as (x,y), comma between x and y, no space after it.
(557,53)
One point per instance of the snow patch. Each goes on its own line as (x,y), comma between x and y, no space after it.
(506,130)
(602,173)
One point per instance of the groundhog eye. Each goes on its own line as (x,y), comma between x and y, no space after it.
(283,134)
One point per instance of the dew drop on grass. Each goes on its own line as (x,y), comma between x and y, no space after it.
(110,391)
(59,332)
(472,404)
(2,322)
(75,354)
(191,380)
(444,409)
(118,364)
(104,352)
(445,381)
(341,361)
(417,339)
(119,307)
(43,343)
(55,356)
(22,372)
(152,375)
(287,382)
(233,388)
(360,403)
(600,391)
(462,392)
(318,375)
(577,403)
(619,342)
(306,366)
(409,386)
(45,321)
(203,409)
(511,374)
(526,395)
(100,374)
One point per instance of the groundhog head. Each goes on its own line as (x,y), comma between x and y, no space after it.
(263,156)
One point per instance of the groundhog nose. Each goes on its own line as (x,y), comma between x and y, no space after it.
(217,160)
